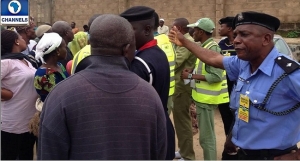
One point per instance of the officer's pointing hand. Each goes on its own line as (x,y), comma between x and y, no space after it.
(176,36)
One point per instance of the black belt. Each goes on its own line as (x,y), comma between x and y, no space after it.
(268,152)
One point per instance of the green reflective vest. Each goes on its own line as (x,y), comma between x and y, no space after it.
(213,93)
(84,52)
(164,44)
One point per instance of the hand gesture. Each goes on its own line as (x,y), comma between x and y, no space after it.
(176,36)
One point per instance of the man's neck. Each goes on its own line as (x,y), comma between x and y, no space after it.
(66,40)
(230,38)
(255,63)
(183,33)
(204,39)
(52,62)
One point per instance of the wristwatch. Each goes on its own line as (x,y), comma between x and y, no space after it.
(190,76)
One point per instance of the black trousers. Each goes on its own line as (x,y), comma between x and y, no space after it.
(227,117)
(171,139)
(17,146)
(263,154)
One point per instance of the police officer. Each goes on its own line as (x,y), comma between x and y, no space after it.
(209,88)
(267,94)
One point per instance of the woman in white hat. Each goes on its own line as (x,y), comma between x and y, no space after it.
(50,49)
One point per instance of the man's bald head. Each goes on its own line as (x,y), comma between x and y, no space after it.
(111,32)
(92,19)
(64,29)
(60,27)
(181,23)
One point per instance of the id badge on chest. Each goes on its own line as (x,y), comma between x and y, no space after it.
(243,112)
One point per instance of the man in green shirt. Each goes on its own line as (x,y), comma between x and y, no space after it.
(182,96)
(209,88)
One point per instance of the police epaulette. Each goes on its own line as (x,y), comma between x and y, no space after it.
(289,66)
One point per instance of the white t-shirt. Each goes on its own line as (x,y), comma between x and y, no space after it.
(31,44)
(17,112)
(163,30)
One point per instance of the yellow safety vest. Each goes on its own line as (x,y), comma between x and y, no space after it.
(227,52)
(164,44)
(213,93)
(84,52)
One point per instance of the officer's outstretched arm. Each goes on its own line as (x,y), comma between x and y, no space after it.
(209,57)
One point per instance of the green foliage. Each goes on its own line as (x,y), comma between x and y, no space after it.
(293,34)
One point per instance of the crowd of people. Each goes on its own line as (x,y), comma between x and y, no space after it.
(107,92)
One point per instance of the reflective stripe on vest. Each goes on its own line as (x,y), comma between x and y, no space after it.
(84,52)
(227,52)
(213,93)
(164,44)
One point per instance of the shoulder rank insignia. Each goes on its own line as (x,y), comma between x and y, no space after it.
(286,64)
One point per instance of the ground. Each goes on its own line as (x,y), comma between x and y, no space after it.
(220,135)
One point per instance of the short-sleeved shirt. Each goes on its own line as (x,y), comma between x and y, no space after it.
(17,112)
(264,130)
(45,80)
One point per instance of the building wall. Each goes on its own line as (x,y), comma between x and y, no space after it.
(79,11)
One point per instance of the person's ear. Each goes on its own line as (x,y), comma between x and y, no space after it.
(267,39)
(200,32)
(148,30)
(17,42)
(125,50)
(179,28)
(66,32)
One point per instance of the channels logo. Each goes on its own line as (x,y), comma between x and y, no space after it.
(14,12)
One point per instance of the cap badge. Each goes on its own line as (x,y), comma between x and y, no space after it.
(240,17)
